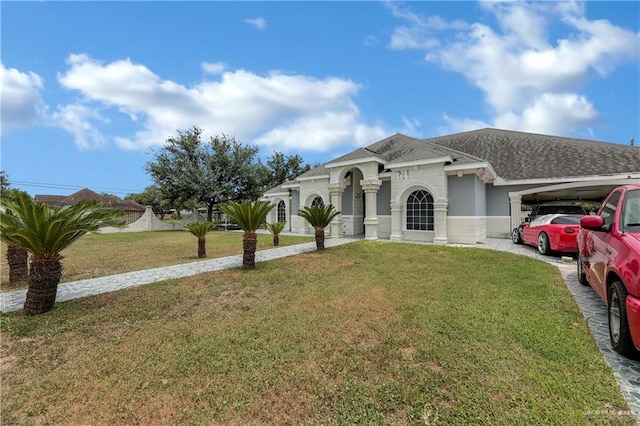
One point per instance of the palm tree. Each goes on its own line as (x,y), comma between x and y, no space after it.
(249,215)
(200,230)
(17,257)
(44,233)
(319,217)
(275,228)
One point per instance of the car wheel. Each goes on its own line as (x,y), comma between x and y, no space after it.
(543,243)
(618,326)
(516,237)
(582,277)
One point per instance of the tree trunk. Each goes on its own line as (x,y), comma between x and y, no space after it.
(17,258)
(44,276)
(249,250)
(276,240)
(202,247)
(210,211)
(320,239)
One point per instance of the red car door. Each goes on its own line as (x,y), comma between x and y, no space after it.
(601,249)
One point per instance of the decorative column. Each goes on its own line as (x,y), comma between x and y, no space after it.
(515,200)
(371,187)
(335,193)
(440,222)
(287,205)
(396,222)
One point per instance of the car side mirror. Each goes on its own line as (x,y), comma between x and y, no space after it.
(527,219)
(592,223)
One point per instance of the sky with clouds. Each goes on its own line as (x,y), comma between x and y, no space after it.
(91,89)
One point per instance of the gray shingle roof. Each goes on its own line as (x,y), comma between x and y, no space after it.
(316,171)
(520,156)
(401,148)
(513,155)
(275,190)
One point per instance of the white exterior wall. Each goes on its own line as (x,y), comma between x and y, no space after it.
(297,223)
(310,189)
(498,226)
(352,225)
(466,229)
(429,177)
(384,226)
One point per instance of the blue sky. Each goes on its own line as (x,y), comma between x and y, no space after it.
(91,89)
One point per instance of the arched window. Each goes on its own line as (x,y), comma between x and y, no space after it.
(317,202)
(282,212)
(420,211)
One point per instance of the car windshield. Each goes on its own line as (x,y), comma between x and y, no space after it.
(566,220)
(631,211)
(569,209)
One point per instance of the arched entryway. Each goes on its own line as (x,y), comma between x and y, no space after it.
(353,204)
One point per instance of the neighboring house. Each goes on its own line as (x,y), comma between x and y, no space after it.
(459,188)
(133,211)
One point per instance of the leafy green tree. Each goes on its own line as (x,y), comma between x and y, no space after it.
(319,217)
(213,172)
(200,230)
(45,232)
(152,196)
(281,168)
(249,215)
(4,181)
(276,229)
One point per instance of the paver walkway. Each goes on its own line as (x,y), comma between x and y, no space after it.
(626,371)
(14,300)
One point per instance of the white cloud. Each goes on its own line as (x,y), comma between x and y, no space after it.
(529,82)
(214,67)
(550,113)
(78,120)
(370,40)
(411,127)
(288,111)
(22,103)
(260,23)
(457,125)
(417,35)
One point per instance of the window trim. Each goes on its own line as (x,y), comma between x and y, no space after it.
(281,214)
(423,207)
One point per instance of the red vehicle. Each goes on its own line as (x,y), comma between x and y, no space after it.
(552,232)
(609,261)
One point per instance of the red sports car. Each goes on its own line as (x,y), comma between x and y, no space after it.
(553,232)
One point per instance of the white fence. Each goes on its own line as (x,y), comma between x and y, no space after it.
(149,222)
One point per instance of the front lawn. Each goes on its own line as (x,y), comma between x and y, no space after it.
(365,333)
(96,255)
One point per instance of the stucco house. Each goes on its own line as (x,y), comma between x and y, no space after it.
(459,188)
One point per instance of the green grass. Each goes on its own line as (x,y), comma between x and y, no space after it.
(95,255)
(366,333)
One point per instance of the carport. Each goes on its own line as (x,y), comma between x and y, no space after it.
(595,189)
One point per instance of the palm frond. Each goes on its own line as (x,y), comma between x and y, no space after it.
(44,231)
(275,228)
(249,215)
(319,216)
(200,229)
